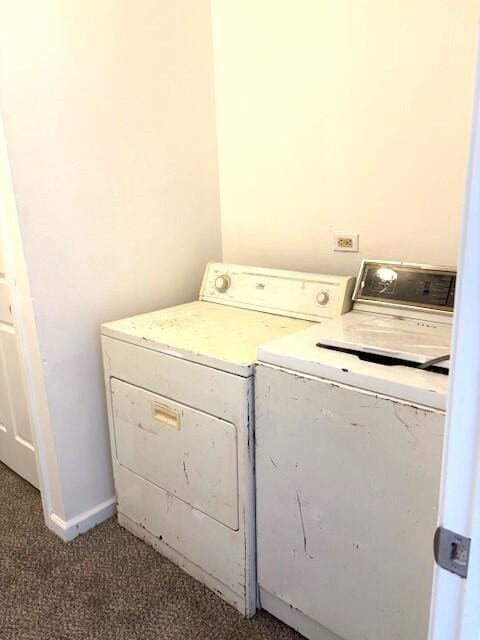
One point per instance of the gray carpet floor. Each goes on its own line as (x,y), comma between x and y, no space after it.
(105,584)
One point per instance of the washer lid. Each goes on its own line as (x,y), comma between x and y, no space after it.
(299,352)
(214,335)
(412,340)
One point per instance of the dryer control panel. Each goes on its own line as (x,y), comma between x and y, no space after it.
(310,296)
(406,285)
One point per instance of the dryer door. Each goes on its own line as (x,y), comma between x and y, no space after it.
(186,452)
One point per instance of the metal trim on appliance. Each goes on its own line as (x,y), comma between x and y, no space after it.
(394,305)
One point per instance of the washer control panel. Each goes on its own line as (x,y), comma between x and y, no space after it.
(291,293)
(406,285)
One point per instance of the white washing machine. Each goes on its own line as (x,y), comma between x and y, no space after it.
(349,433)
(180,405)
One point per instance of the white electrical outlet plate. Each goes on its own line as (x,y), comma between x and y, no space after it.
(345,242)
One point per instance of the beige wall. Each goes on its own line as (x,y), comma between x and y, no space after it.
(342,115)
(331,116)
(110,126)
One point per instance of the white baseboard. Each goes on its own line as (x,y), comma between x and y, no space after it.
(70,529)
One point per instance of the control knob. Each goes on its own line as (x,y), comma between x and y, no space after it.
(323,297)
(222,283)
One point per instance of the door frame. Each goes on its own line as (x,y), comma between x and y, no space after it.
(455,610)
(31,362)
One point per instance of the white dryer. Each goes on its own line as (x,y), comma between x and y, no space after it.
(349,433)
(180,405)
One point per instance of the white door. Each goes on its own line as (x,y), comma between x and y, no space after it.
(16,447)
(455,612)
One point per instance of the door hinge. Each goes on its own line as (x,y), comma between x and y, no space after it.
(451,551)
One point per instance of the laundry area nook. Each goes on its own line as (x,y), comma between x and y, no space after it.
(239,361)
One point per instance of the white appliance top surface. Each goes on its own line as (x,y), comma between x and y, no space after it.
(407,339)
(215,335)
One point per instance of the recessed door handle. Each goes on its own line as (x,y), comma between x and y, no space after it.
(166,415)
